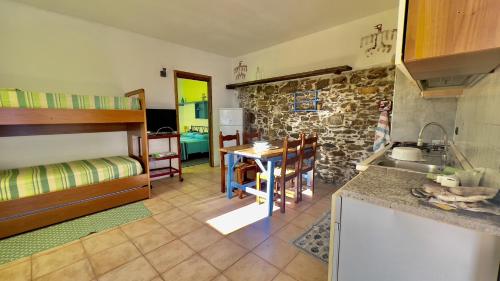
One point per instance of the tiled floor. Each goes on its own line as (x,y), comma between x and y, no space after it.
(176,243)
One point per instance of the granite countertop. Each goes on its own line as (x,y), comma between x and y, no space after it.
(389,187)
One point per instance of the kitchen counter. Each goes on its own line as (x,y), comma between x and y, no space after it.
(389,187)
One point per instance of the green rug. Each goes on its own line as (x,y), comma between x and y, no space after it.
(29,243)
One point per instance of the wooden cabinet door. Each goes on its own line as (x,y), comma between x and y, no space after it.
(447,27)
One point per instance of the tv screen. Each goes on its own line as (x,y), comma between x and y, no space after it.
(157,118)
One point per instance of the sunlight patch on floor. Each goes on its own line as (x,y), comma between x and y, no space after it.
(239,218)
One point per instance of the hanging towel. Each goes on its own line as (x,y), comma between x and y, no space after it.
(382,136)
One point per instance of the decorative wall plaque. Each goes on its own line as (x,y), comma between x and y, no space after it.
(379,42)
(240,71)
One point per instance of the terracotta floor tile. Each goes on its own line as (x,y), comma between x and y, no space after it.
(205,215)
(183,226)
(181,200)
(102,241)
(19,270)
(248,237)
(288,216)
(317,210)
(111,258)
(192,269)
(276,251)
(283,277)
(80,271)
(136,270)
(169,255)
(170,216)
(223,253)
(153,239)
(289,232)
(300,207)
(251,268)
(189,187)
(140,227)
(221,278)
(306,268)
(269,225)
(157,205)
(203,194)
(58,258)
(167,192)
(201,238)
(304,220)
(196,207)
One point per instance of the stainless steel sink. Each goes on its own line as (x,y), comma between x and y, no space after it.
(421,167)
(433,161)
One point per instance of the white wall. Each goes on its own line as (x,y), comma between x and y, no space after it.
(336,46)
(411,112)
(44,51)
(478,123)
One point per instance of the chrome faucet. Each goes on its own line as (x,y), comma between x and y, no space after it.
(420,141)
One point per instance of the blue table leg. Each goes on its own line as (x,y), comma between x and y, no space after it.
(229,176)
(270,187)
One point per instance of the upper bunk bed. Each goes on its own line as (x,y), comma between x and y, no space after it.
(35,113)
(26,203)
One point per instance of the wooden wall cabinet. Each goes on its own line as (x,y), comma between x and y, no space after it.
(446,38)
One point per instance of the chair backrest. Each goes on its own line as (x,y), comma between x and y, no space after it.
(248,137)
(224,138)
(308,151)
(291,155)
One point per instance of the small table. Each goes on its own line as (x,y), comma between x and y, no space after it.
(271,156)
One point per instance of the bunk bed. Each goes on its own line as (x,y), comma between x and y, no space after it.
(38,196)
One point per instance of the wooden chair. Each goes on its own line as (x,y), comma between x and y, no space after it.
(288,171)
(241,169)
(248,137)
(307,159)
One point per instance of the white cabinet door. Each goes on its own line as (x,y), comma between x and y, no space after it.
(383,244)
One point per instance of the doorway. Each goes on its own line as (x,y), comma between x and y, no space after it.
(193,104)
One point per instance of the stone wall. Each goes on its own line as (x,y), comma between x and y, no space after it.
(345,124)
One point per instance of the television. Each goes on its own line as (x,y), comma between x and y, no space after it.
(158,118)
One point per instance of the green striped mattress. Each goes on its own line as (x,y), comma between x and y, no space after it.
(15,98)
(25,182)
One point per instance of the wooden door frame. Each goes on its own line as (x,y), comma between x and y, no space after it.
(198,77)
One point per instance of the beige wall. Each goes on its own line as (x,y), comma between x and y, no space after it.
(336,46)
(478,122)
(44,51)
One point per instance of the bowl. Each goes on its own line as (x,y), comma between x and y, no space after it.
(407,154)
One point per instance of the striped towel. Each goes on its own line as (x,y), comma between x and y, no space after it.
(382,131)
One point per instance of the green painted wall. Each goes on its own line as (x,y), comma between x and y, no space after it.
(191,91)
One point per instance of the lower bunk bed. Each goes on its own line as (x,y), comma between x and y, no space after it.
(38,196)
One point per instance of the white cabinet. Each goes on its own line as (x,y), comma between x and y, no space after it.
(383,244)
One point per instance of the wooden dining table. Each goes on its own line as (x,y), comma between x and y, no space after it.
(271,156)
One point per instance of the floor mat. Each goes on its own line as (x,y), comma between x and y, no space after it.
(29,243)
(316,240)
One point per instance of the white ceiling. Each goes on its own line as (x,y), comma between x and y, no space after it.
(225,27)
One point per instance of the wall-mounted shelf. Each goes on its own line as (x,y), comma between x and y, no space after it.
(334,70)
(301,98)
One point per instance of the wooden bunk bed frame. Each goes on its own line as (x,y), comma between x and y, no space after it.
(24,214)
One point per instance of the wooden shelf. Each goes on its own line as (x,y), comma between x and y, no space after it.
(334,70)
